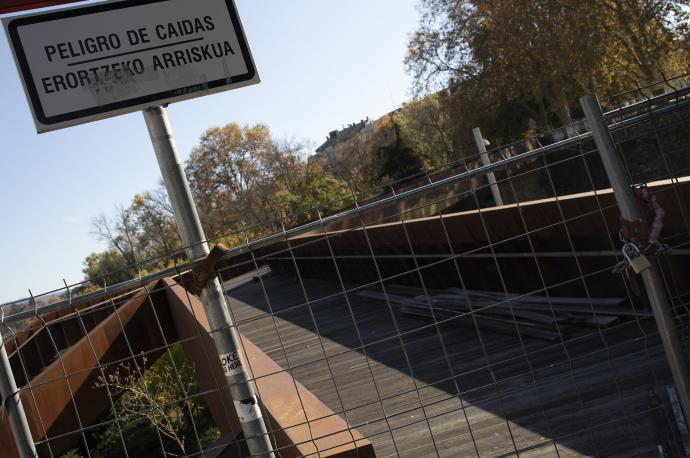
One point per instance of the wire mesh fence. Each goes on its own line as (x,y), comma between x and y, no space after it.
(422,320)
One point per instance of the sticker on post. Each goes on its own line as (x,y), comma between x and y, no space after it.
(247,410)
(232,364)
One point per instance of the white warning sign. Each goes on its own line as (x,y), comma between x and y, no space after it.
(87,63)
(231,363)
(247,410)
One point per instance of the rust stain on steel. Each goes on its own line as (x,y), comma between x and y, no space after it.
(12,341)
(314,429)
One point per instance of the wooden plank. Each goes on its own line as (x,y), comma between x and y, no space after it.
(489,323)
(598,306)
(580,401)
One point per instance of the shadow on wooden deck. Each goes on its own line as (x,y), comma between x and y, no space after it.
(417,390)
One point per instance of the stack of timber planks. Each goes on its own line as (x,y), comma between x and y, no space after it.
(532,315)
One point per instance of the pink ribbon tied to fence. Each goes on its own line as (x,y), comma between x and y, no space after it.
(657,225)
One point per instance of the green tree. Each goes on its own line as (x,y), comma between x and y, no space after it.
(312,188)
(376,156)
(120,232)
(648,36)
(354,159)
(162,406)
(107,268)
(397,161)
(536,57)
(426,127)
(241,177)
(156,232)
(143,234)
(230,177)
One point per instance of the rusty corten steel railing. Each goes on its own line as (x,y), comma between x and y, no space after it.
(65,397)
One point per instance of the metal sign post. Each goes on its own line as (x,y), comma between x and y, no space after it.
(486,161)
(224,333)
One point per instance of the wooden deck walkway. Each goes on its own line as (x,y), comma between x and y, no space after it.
(595,396)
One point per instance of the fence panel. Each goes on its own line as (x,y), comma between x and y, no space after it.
(425,322)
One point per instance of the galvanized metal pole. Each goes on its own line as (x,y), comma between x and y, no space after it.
(479,140)
(654,286)
(14,408)
(225,335)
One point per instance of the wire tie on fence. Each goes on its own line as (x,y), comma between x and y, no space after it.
(202,274)
(655,245)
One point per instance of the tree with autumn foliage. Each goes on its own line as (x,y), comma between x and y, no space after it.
(245,183)
(241,177)
(426,128)
(499,63)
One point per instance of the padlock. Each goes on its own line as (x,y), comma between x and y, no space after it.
(636,260)
(640,264)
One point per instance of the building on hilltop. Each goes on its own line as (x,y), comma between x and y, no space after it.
(326,154)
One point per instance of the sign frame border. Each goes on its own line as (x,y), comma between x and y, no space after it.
(47,123)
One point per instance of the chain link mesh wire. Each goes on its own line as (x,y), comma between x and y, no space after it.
(427,323)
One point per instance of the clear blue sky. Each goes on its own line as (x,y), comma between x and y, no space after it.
(323,64)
